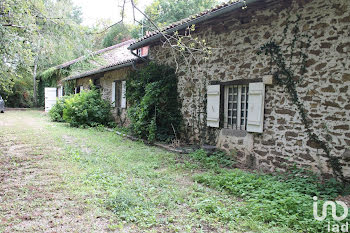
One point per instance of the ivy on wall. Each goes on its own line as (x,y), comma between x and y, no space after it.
(289,66)
(154,108)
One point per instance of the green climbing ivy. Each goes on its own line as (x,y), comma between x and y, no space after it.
(289,66)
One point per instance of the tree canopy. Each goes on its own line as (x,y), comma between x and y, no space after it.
(165,12)
(36,35)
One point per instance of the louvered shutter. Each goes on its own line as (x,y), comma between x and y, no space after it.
(123,100)
(113,94)
(256,101)
(81,88)
(213,105)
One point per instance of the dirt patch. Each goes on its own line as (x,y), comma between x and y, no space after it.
(34,197)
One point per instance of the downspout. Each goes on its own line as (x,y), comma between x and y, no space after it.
(133,63)
(142,58)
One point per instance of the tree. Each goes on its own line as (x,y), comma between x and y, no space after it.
(36,35)
(165,12)
(116,34)
(16,55)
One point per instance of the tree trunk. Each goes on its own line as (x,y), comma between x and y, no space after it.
(35,96)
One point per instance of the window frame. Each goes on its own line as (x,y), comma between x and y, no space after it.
(238,102)
(118,93)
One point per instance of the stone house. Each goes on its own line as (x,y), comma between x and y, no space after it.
(109,76)
(231,100)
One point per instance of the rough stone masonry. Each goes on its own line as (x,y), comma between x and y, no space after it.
(235,39)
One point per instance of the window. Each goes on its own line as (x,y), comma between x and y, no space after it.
(118,94)
(97,83)
(139,52)
(229,102)
(236,106)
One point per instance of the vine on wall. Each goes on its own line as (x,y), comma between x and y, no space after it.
(289,66)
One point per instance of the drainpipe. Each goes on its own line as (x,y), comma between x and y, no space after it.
(142,58)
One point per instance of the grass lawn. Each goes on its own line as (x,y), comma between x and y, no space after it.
(138,188)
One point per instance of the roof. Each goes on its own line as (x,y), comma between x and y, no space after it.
(68,63)
(194,19)
(109,58)
(109,67)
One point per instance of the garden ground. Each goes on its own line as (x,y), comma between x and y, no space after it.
(54,178)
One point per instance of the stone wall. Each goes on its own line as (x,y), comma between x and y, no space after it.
(235,39)
(106,81)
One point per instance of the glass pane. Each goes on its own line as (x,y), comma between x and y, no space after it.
(230,90)
(243,89)
(234,106)
(242,114)
(242,106)
(230,98)
(235,89)
(234,121)
(235,113)
(235,97)
(229,105)
(243,98)
(229,113)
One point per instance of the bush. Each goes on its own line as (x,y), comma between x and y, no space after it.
(56,112)
(84,109)
(87,109)
(154,107)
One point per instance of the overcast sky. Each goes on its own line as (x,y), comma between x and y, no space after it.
(94,10)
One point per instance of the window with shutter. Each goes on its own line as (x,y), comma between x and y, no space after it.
(123,97)
(213,105)
(113,94)
(255,121)
(118,94)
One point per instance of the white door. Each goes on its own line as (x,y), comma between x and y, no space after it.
(50,98)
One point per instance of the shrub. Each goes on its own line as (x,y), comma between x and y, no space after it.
(154,107)
(56,112)
(87,109)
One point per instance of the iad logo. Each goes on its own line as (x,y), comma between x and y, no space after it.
(334,210)
(332,204)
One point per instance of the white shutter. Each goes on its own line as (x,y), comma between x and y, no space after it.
(213,105)
(113,94)
(50,98)
(75,90)
(123,100)
(60,92)
(81,88)
(256,100)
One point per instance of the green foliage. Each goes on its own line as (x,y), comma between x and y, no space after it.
(289,62)
(273,201)
(165,12)
(154,106)
(39,34)
(82,110)
(116,34)
(56,112)
(214,160)
(87,109)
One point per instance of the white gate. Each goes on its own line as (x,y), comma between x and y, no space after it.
(50,98)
